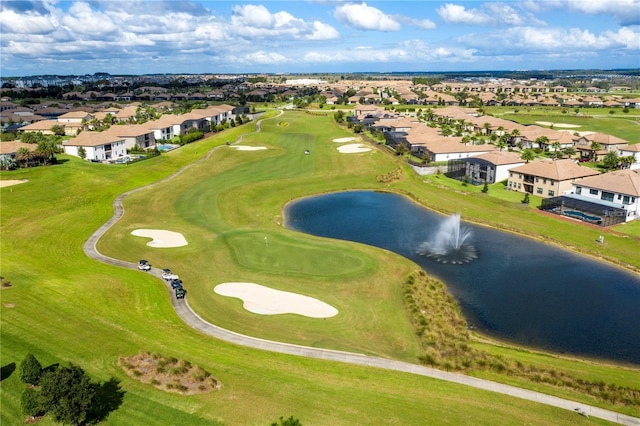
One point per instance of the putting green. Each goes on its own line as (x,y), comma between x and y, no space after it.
(283,254)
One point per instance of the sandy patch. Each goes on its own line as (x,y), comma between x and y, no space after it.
(11,182)
(549,123)
(161,238)
(267,301)
(353,148)
(342,140)
(248,148)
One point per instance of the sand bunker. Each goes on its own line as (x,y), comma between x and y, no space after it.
(353,148)
(267,301)
(4,183)
(161,238)
(248,148)
(548,123)
(342,140)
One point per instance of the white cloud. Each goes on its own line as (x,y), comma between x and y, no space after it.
(252,16)
(405,52)
(627,12)
(263,58)
(364,17)
(456,14)
(423,24)
(560,41)
(504,13)
(323,31)
(28,23)
(491,13)
(626,37)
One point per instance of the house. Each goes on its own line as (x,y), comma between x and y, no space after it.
(547,178)
(166,127)
(620,189)
(98,146)
(632,151)
(607,143)
(133,135)
(429,144)
(42,126)
(74,121)
(491,167)
(11,148)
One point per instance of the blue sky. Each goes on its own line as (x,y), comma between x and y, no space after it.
(314,36)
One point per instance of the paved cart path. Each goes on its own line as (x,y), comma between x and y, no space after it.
(183,309)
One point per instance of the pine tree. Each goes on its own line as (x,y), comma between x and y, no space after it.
(30,370)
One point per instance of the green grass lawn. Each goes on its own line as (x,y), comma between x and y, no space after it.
(625,126)
(63,306)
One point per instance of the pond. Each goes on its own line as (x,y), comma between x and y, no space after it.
(511,287)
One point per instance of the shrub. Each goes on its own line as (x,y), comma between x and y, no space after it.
(30,370)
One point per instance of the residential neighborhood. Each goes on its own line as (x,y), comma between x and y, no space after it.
(447,126)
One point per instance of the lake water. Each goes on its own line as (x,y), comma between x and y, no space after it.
(516,289)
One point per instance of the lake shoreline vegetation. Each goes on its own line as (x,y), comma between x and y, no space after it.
(442,337)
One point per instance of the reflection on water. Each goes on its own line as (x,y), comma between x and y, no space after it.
(515,288)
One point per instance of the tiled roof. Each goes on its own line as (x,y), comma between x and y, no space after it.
(92,139)
(623,182)
(558,170)
(130,130)
(500,158)
(12,147)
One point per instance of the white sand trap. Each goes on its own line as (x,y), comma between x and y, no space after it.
(267,301)
(342,140)
(548,123)
(248,148)
(353,148)
(161,238)
(4,183)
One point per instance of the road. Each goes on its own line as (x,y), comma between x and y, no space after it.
(192,319)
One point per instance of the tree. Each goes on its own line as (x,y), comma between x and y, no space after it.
(58,129)
(47,149)
(543,142)
(7,163)
(30,403)
(611,160)
(291,421)
(67,393)
(569,151)
(30,370)
(82,153)
(501,144)
(527,154)
(627,161)
(526,200)
(556,145)
(24,155)
(485,188)
(595,147)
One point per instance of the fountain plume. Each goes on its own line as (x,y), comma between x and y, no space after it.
(450,244)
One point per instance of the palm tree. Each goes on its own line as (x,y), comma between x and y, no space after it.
(595,147)
(543,142)
(527,154)
(556,145)
(501,144)
(47,150)
(569,151)
(611,160)
(626,162)
(23,155)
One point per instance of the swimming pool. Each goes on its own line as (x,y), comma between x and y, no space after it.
(167,147)
(582,216)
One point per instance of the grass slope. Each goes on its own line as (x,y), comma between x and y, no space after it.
(65,307)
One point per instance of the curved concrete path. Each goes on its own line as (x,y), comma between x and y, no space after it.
(192,319)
